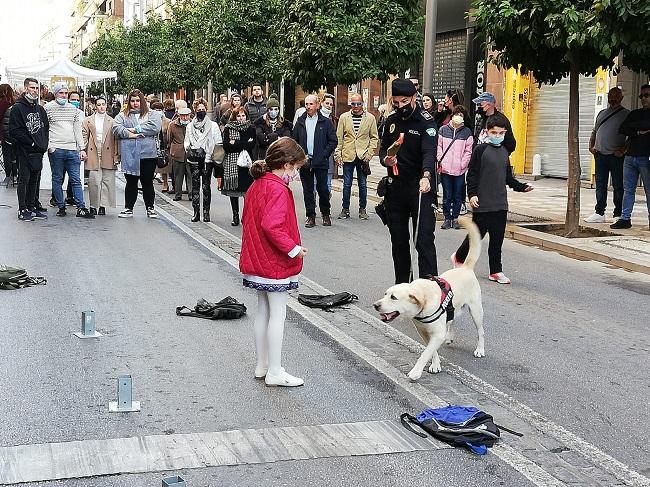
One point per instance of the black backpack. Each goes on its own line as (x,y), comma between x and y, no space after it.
(226,309)
(16,278)
(326,301)
(460,426)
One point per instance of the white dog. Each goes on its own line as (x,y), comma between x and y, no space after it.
(428,302)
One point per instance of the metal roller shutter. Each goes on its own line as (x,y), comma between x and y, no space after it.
(548,122)
(449,62)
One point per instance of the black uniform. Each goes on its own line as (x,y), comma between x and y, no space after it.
(416,155)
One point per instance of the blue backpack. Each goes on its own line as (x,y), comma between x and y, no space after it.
(463,426)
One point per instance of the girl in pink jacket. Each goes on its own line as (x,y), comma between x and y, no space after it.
(454,150)
(271,253)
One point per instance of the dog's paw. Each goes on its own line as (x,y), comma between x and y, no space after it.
(434,368)
(414,374)
(479,352)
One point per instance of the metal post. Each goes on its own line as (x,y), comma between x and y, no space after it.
(282,98)
(430,25)
(210,96)
(125,402)
(174,481)
(88,326)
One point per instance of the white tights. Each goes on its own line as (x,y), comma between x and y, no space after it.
(269,329)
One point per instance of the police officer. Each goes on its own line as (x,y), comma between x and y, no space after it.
(412,181)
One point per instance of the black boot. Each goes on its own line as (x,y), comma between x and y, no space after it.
(197,215)
(206,216)
(235,219)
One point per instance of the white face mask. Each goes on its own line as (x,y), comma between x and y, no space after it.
(457,119)
(290,175)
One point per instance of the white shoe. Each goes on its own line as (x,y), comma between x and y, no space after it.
(283,379)
(595,218)
(260,372)
(499,277)
(151,213)
(126,213)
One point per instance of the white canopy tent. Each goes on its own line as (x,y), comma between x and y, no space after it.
(58,68)
(63,68)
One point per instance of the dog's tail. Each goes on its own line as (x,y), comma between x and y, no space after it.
(474,236)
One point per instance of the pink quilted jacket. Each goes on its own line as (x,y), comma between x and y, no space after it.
(270,230)
(456,160)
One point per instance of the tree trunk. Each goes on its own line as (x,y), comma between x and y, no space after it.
(572,222)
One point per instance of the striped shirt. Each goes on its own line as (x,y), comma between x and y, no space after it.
(65,126)
(356,122)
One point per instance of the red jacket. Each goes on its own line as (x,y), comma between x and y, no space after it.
(270,230)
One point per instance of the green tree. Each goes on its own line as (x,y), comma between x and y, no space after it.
(108,54)
(345,41)
(560,38)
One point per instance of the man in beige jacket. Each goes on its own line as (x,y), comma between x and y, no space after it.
(358,140)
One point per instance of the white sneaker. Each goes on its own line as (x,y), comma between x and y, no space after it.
(151,213)
(499,277)
(126,213)
(595,218)
(283,379)
(260,372)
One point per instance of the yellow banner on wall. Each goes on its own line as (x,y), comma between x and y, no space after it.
(516,99)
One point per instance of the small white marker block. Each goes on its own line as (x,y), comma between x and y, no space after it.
(88,326)
(125,402)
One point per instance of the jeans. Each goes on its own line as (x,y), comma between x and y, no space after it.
(633,167)
(453,195)
(27,184)
(201,171)
(606,163)
(494,223)
(147,168)
(307,180)
(348,174)
(64,160)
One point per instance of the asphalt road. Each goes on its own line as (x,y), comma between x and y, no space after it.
(568,338)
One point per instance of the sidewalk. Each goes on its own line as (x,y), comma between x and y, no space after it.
(627,249)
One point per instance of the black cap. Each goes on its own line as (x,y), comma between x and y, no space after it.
(403,87)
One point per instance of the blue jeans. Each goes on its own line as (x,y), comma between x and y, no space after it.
(633,167)
(348,174)
(66,160)
(453,195)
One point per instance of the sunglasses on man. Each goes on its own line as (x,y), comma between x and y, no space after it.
(356,103)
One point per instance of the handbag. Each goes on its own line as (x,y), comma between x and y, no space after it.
(365,168)
(195,155)
(161,156)
(244,159)
(382,212)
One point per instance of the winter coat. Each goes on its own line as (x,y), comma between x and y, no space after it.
(108,148)
(456,160)
(176,140)
(267,134)
(325,140)
(353,145)
(270,230)
(28,127)
(255,110)
(232,148)
(4,106)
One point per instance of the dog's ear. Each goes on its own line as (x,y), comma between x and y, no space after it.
(415,300)
(418,295)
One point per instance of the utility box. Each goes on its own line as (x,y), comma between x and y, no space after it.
(174,481)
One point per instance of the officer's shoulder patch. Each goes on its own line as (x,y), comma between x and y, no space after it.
(426,115)
(431,131)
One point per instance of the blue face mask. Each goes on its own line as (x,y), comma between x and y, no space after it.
(61,101)
(496,140)
(75,104)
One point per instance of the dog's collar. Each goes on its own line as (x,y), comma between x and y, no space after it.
(446,302)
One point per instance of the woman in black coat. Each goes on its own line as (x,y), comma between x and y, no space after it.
(270,127)
(238,136)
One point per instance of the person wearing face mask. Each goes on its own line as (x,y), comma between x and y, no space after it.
(270,127)
(28,130)
(412,184)
(66,148)
(489,173)
(455,144)
(238,136)
(176,146)
(201,137)
(486,108)
(272,254)
(101,147)
(429,104)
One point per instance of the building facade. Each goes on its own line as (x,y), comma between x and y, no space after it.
(89,19)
